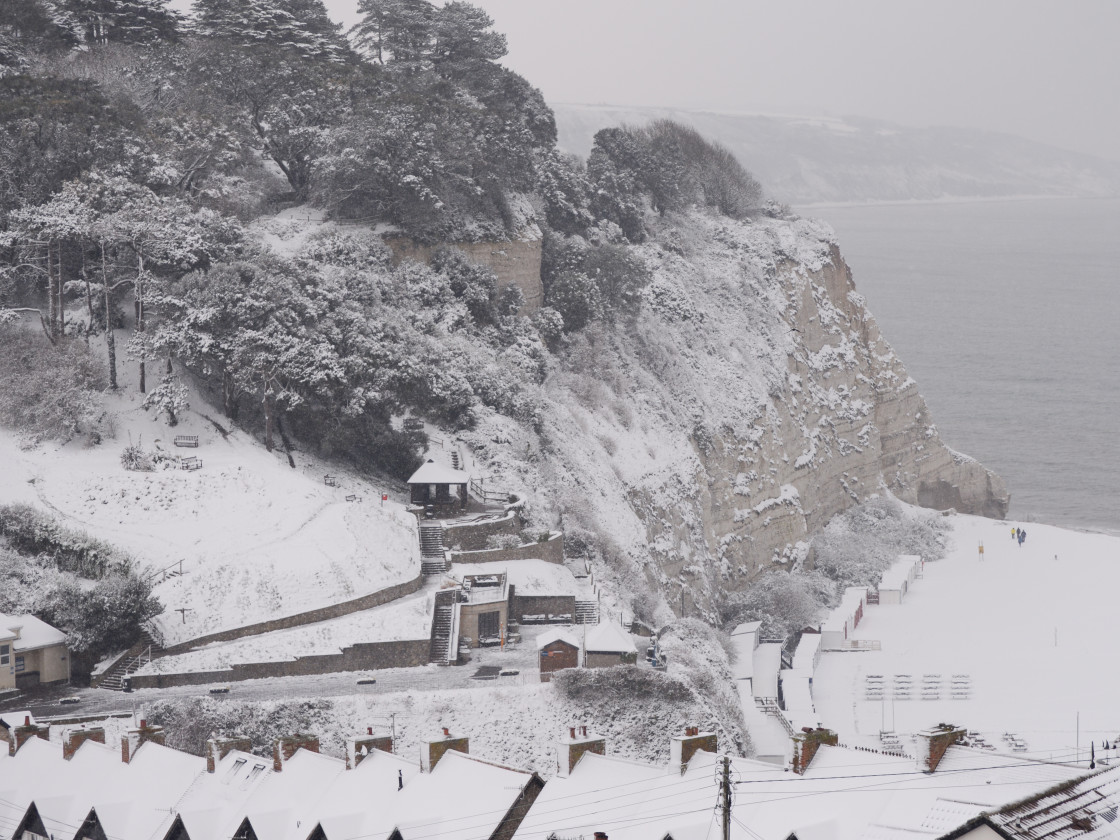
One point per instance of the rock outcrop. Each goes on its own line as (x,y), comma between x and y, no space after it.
(750,400)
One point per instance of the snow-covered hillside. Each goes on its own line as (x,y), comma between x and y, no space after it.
(256,539)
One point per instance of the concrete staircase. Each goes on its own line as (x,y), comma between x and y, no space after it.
(433,556)
(140,654)
(587,612)
(442,624)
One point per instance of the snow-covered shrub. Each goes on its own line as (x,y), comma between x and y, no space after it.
(859,544)
(621,682)
(32,533)
(135,458)
(48,391)
(503,541)
(189,723)
(549,324)
(169,397)
(783,602)
(697,655)
(105,618)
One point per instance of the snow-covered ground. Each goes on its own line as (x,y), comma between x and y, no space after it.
(1027,636)
(257,539)
(407,618)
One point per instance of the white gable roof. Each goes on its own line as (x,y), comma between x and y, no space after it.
(557,634)
(34,633)
(608,637)
(433,473)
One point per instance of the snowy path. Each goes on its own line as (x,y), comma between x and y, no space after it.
(1030,639)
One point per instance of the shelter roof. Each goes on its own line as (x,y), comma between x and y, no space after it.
(433,473)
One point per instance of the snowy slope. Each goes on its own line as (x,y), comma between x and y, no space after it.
(256,539)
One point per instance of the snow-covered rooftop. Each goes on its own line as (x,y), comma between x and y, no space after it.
(433,473)
(608,637)
(899,572)
(530,577)
(844,795)
(33,633)
(557,634)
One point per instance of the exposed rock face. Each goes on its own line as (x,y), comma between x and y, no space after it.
(515,262)
(750,400)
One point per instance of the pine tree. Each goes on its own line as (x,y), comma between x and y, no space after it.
(270,23)
(126,21)
(395,30)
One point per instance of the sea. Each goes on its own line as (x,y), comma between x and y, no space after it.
(1007,314)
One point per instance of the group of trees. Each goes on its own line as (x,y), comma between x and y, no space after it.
(128,167)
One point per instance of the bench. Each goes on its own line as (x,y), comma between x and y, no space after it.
(187,440)
(330,481)
(353,498)
(190,462)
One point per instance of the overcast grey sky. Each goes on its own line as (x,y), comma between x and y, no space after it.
(1044,69)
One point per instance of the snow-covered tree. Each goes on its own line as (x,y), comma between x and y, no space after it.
(295,28)
(169,397)
(126,21)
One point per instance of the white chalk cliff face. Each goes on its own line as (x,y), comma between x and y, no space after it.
(749,400)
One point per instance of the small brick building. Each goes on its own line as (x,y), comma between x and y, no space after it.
(557,649)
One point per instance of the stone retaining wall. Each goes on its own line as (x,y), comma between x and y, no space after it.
(374,599)
(472,536)
(522,605)
(365,656)
(551,551)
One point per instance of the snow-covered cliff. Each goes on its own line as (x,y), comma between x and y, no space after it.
(748,400)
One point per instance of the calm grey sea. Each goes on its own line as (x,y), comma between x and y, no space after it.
(1008,316)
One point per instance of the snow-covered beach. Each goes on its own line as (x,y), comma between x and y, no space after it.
(1033,628)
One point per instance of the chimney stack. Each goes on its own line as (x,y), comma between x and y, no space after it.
(358,747)
(432,749)
(74,738)
(219,746)
(683,747)
(22,734)
(931,745)
(807,742)
(132,740)
(284,748)
(571,749)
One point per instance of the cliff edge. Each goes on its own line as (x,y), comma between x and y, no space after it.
(750,398)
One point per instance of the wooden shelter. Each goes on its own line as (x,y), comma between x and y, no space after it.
(443,488)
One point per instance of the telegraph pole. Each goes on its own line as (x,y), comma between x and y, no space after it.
(725,793)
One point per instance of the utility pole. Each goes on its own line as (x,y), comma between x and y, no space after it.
(725,793)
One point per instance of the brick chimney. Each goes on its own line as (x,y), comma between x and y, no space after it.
(931,744)
(22,734)
(805,746)
(74,738)
(571,748)
(683,747)
(132,740)
(220,746)
(284,748)
(359,747)
(432,749)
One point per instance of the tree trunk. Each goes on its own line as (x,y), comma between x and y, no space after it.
(52,297)
(61,292)
(268,420)
(140,311)
(110,339)
(229,396)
